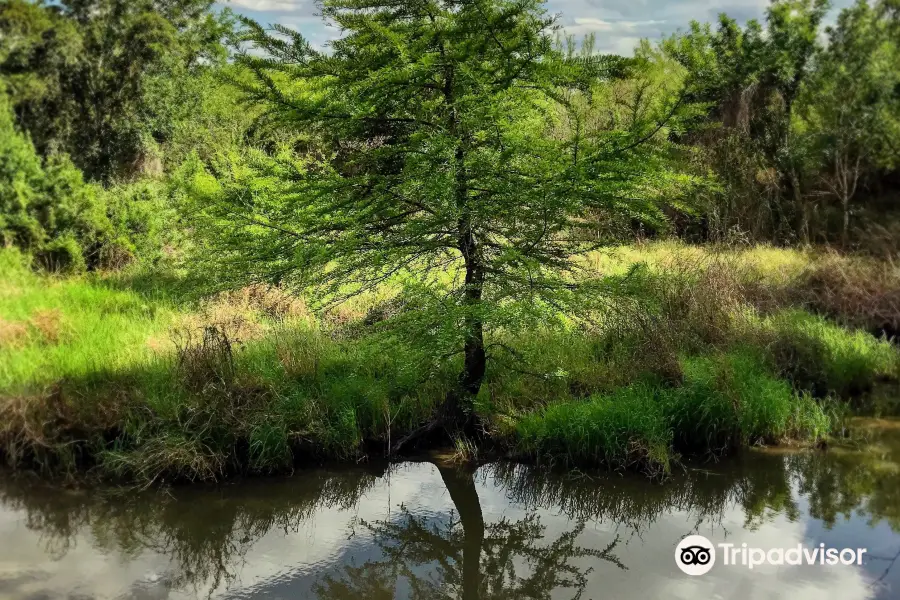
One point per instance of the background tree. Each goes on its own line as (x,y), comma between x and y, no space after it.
(99,79)
(45,206)
(851,109)
(434,160)
(751,80)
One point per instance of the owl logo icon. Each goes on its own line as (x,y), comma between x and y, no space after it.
(695,555)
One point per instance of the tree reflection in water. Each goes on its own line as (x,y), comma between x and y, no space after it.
(471,560)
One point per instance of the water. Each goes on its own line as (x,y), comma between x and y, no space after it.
(415,530)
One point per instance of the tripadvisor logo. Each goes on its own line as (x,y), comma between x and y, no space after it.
(696,555)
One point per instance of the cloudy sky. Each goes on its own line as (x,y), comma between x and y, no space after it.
(618,24)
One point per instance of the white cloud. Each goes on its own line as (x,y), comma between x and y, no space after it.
(269,5)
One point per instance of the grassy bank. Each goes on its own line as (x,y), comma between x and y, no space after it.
(125,375)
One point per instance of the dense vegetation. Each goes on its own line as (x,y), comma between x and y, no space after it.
(228,251)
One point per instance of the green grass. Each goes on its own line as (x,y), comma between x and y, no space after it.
(74,327)
(114,373)
(622,429)
(726,401)
(824,358)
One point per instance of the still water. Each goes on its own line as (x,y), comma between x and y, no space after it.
(417,530)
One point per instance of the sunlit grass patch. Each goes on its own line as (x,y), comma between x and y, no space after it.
(824,358)
(76,327)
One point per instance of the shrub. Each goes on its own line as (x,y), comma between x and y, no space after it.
(45,206)
(48,210)
(62,254)
(141,223)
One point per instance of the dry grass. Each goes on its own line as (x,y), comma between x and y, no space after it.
(272,302)
(45,326)
(13,334)
(861,292)
(49,324)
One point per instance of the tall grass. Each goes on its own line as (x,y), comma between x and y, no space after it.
(70,328)
(726,401)
(824,358)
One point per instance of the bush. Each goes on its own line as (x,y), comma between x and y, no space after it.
(45,206)
(62,254)
(48,210)
(854,291)
(141,223)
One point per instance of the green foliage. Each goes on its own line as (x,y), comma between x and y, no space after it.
(45,206)
(733,400)
(826,359)
(103,80)
(153,389)
(851,109)
(795,130)
(449,136)
(143,223)
(448,165)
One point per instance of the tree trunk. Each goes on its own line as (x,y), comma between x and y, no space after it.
(475,358)
(845,233)
(461,486)
(460,404)
(800,202)
(457,413)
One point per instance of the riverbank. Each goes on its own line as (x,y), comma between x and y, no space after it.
(131,376)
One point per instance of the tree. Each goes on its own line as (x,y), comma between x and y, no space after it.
(751,80)
(851,107)
(45,206)
(90,78)
(431,154)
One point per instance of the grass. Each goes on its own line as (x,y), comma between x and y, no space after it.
(726,401)
(128,376)
(822,357)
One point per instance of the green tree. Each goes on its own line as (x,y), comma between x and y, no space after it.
(45,206)
(98,79)
(851,109)
(751,80)
(432,158)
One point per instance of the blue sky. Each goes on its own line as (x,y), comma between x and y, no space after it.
(618,24)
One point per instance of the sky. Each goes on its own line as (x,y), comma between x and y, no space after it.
(618,24)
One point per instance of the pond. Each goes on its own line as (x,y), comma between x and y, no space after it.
(419,530)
